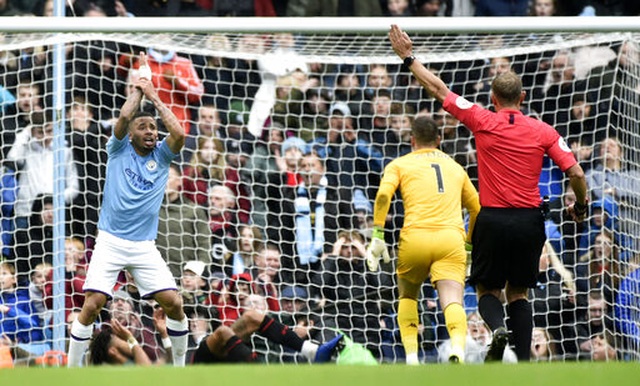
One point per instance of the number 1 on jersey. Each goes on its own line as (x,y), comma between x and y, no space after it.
(436,167)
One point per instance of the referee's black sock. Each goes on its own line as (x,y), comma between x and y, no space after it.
(492,311)
(521,325)
(237,351)
(279,333)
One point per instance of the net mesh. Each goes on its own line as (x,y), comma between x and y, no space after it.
(242,98)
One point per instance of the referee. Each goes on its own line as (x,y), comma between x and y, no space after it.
(509,232)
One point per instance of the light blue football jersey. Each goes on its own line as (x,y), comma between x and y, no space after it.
(134,190)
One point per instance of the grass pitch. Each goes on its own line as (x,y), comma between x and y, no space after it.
(543,374)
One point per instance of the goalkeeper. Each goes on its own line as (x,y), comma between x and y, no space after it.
(432,241)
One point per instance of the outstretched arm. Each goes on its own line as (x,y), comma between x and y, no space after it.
(130,106)
(403,47)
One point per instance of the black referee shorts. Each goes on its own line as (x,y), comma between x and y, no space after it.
(507,243)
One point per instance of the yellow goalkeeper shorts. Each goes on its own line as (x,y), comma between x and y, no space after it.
(439,253)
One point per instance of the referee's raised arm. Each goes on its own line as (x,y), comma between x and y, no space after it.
(403,47)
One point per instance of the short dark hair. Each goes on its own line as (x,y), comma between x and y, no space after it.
(142,113)
(425,130)
(507,88)
(99,347)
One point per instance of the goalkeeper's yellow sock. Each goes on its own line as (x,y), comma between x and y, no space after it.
(408,322)
(456,321)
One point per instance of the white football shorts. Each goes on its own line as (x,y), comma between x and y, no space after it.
(112,254)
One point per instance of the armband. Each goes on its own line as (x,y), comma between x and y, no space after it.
(145,72)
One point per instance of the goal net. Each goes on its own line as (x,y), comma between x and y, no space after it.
(288,137)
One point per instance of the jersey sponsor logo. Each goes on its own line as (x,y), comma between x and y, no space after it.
(463,104)
(137,180)
(151,165)
(563,145)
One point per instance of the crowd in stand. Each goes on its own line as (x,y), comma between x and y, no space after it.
(276,219)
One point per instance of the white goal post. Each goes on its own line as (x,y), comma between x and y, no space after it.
(285,75)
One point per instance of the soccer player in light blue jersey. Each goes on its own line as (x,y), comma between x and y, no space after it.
(137,172)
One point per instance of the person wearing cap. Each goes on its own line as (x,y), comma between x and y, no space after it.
(137,174)
(194,287)
(183,233)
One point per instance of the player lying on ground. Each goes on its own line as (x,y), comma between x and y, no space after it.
(117,345)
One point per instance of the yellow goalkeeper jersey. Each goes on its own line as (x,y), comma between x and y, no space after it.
(434,189)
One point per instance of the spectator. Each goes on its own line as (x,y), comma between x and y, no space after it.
(207,125)
(236,157)
(38,293)
(626,310)
(595,330)
(234,300)
(34,244)
(599,268)
(266,270)
(553,99)
(19,320)
(397,8)
(217,73)
(223,221)
(74,277)
(9,191)
(554,306)
(183,231)
(201,320)
(122,309)
(206,168)
(349,293)
(194,286)
(542,346)
(17,117)
(305,212)
(84,133)
(33,154)
(543,8)
(611,177)
(243,257)
(351,163)
(266,160)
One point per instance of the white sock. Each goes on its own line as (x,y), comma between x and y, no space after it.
(78,343)
(309,350)
(412,359)
(178,331)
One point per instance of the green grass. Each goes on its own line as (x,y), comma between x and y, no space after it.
(543,374)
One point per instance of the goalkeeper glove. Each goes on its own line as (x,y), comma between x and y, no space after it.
(377,249)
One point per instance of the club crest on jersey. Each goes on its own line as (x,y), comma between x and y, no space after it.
(151,165)
(563,145)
